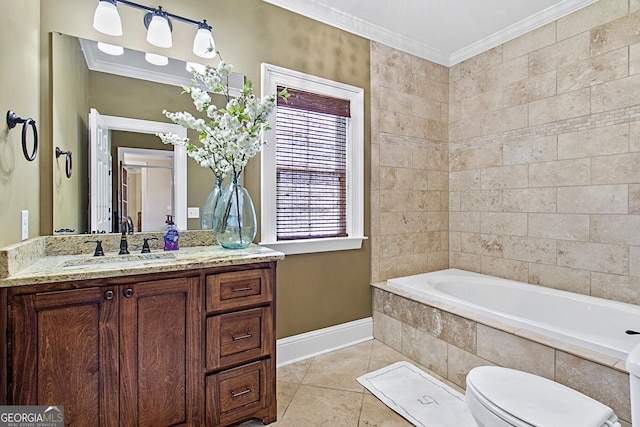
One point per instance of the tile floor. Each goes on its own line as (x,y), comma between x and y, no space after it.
(323,391)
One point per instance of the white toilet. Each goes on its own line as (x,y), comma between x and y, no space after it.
(500,397)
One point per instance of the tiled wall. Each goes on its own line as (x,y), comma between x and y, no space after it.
(541,140)
(545,155)
(409,184)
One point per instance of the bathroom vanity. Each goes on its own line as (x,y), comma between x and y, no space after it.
(186,338)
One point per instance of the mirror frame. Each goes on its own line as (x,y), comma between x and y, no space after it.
(179,157)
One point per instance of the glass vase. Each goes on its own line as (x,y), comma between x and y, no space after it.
(209,207)
(235,217)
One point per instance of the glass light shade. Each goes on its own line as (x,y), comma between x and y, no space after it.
(110,49)
(194,66)
(154,59)
(203,44)
(106,19)
(159,32)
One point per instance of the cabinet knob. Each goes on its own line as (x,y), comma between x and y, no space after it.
(108,295)
(128,293)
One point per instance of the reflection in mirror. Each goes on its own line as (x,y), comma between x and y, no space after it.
(85,78)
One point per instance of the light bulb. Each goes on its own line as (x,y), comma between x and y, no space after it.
(154,59)
(110,49)
(203,44)
(106,18)
(194,66)
(159,31)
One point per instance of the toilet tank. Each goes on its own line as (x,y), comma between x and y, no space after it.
(633,366)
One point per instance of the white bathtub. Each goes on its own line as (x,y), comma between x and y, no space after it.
(593,323)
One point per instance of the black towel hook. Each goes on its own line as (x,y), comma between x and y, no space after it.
(68,162)
(12,121)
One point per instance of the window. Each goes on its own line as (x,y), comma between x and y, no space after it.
(313,165)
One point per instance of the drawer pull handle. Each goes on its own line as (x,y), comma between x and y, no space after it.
(246,288)
(234,394)
(241,337)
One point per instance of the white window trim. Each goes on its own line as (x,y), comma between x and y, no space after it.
(272,77)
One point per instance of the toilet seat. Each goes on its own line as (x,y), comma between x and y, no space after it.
(522,399)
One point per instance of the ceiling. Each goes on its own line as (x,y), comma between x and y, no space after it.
(442,31)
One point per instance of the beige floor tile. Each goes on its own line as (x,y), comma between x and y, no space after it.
(295,372)
(285,393)
(335,371)
(318,406)
(376,414)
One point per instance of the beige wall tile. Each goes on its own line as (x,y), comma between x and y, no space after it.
(594,142)
(464,221)
(530,150)
(476,157)
(602,383)
(589,72)
(615,94)
(559,226)
(529,42)
(594,257)
(481,244)
(615,169)
(515,176)
(616,287)
(634,59)
(425,349)
(559,54)
(387,330)
(506,268)
(484,200)
(542,251)
(634,198)
(511,351)
(615,34)
(530,89)
(634,261)
(616,229)
(612,199)
(536,200)
(560,173)
(481,104)
(566,279)
(464,180)
(634,136)
(634,5)
(460,363)
(591,16)
(514,224)
(560,107)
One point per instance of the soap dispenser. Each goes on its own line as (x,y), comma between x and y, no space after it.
(171,235)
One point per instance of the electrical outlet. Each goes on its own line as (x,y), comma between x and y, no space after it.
(25,224)
(193,212)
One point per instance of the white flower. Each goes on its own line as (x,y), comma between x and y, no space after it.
(231,135)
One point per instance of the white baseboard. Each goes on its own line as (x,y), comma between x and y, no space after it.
(299,347)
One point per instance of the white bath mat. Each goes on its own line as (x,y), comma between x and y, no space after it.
(418,397)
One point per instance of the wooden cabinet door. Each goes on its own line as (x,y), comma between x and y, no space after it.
(161,375)
(65,352)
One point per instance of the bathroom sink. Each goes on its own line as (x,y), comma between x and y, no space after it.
(115,261)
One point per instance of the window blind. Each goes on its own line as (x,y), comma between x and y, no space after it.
(311,163)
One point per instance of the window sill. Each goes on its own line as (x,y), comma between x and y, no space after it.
(307,246)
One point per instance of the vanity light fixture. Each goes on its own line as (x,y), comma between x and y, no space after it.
(158,23)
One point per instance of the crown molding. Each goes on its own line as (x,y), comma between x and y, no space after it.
(317,11)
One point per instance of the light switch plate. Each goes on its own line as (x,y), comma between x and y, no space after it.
(25,224)
(193,212)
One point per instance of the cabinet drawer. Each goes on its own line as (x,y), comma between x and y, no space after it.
(237,393)
(238,289)
(238,337)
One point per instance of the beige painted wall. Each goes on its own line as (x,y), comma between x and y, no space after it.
(69,133)
(314,291)
(19,92)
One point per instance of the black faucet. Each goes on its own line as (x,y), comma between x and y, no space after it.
(127,228)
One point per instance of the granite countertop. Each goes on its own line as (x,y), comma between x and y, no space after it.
(52,259)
